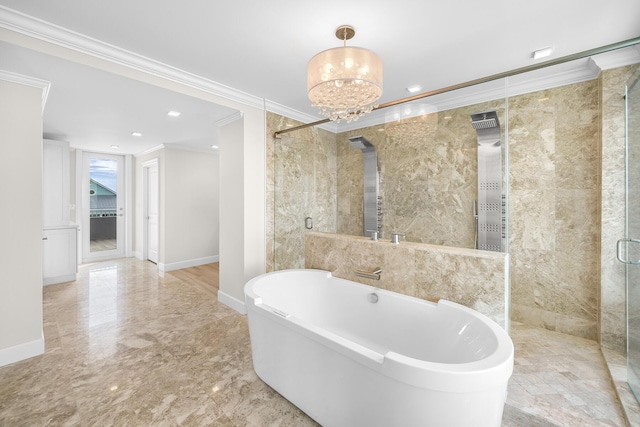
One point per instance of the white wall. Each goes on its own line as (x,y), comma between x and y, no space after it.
(189,215)
(231,202)
(20,222)
(190,209)
(242,206)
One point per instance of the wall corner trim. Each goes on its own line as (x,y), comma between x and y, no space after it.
(22,351)
(232,302)
(44,85)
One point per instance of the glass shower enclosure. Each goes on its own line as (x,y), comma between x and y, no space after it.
(629,248)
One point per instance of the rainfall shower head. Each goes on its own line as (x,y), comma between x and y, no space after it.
(360,143)
(485,120)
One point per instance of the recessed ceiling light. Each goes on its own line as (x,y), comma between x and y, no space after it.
(115,146)
(542,53)
(215,147)
(414,88)
(136,134)
(173,113)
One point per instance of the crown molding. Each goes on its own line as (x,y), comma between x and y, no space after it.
(43,85)
(38,29)
(285,111)
(575,72)
(178,147)
(150,150)
(578,71)
(618,58)
(237,115)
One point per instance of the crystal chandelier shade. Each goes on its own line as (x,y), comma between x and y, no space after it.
(345,82)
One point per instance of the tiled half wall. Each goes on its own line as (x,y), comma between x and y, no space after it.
(476,279)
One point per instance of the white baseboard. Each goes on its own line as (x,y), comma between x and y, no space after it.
(21,351)
(137,255)
(59,279)
(232,302)
(188,263)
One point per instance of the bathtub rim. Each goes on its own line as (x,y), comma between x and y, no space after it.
(493,370)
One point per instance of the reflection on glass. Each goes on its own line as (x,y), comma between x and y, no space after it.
(103,185)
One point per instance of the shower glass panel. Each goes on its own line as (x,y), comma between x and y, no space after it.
(294,197)
(632,243)
(304,192)
(427,155)
(428,175)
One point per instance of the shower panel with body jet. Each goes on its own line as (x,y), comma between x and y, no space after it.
(488,212)
(372,202)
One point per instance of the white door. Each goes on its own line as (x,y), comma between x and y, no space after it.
(152,210)
(102,206)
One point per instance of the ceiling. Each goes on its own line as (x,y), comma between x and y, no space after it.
(262,48)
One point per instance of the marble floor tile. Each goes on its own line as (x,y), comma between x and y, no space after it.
(617,365)
(126,347)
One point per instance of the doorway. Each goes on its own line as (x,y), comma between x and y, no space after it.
(102,206)
(151,211)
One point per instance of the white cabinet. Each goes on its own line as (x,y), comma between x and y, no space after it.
(59,238)
(59,255)
(55,183)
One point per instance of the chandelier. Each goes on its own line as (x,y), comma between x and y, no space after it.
(344,82)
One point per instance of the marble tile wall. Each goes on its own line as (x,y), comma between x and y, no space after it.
(428,169)
(612,272)
(554,149)
(476,279)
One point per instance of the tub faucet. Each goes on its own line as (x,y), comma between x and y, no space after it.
(395,237)
(375,274)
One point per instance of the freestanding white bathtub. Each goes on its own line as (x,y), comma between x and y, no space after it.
(352,355)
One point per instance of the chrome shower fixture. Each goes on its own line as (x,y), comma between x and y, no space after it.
(360,143)
(372,203)
(489,215)
(485,120)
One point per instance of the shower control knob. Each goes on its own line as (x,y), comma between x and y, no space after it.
(374,234)
(395,237)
